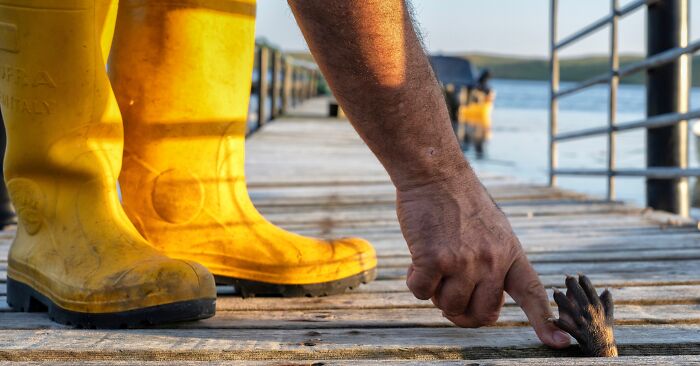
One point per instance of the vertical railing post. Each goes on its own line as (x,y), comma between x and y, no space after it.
(553,89)
(263,67)
(314,83)
(295,82)
(307,86)
(612,102)
(276,87)
(302,84)
(667,92)
(287,85)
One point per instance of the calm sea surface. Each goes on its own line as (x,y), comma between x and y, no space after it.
(520,144)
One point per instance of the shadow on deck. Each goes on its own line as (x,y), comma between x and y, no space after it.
(314,176)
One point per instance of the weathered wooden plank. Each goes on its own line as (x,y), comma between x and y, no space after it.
(553,361)
(385,343)
(561,223)
(682,294)
(601,280)
(371,318)
(387,216)
(630,270)
(427,317)
(390,247)
(402,261)
(635,295)
(364,187)
(396,246)
(568,233)
(563,232)
(318,196)
(512,209)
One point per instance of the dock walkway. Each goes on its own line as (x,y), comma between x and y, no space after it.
(314,176)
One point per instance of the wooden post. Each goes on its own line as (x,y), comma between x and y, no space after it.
(295,85)
(287,85)
(263,67)
(276,87)
(302,85)
(309,75)
(314,83)
(310,83)
(299,85)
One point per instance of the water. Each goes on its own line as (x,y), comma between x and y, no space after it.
(520,136)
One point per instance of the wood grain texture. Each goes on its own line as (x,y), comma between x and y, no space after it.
(290,344)
(314,176)
(554,361)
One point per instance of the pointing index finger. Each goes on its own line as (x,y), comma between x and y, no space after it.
(524,286)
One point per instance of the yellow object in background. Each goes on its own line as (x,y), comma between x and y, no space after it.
(76,254)
(477,114)
(181,71)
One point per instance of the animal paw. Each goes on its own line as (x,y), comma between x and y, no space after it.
(587,317)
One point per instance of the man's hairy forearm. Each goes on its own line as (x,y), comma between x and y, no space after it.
(378,71)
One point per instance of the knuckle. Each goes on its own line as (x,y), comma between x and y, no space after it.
(450,308)
(420,293)
(420,289)
(487,319)
(445,262)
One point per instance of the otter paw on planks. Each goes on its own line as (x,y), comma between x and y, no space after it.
(587,316)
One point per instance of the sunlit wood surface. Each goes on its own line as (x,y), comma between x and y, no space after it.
(313,175)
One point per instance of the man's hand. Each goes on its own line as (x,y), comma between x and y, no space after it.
(464,251)
(465,255)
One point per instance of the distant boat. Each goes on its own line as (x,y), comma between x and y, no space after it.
(454,70)
(469,99)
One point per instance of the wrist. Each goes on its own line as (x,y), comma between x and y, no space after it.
(435,171)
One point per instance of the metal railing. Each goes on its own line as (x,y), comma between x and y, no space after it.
(283,80)
(612,78)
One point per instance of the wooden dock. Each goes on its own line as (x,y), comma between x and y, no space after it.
(314,176)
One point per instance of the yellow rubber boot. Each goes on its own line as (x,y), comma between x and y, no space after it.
(76,254)
(181,70)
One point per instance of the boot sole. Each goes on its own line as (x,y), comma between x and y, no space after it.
(23,298)
(248,288)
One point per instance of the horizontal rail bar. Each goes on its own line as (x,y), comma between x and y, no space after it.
(660,120)
(602,22)
(625,10)
(660,172)
(648,63)
(598,24)
(659,59)
(600,79)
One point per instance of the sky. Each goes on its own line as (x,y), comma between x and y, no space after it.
(506,27)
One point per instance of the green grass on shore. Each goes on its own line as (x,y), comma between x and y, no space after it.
(572,69)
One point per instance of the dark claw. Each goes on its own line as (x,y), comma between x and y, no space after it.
(587,317)
(590,291)
(566,326)
(607,301)
(580,298)
(566,307)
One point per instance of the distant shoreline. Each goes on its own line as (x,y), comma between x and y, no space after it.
(571,69)
(532,68)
